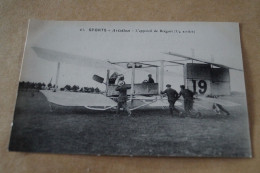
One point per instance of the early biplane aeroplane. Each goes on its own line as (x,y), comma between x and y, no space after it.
(204,78)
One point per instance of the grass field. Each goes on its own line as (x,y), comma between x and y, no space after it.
(148,132)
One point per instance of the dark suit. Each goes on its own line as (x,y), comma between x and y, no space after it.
(172,98)
(188,99)
(150,80)
(122,98)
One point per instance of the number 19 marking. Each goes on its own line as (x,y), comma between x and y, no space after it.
(201,84)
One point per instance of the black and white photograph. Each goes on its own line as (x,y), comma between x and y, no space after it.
(173,89)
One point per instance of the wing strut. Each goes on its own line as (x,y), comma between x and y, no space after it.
(57,76)
(132,82)
(161,76)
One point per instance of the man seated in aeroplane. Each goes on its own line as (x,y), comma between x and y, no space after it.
(150,79)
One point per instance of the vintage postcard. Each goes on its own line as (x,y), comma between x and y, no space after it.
(132,89)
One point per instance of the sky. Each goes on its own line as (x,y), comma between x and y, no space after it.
(218,42)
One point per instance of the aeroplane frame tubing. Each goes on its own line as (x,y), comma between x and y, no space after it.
(142,105)
(100,109)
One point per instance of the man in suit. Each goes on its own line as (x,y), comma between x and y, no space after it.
(172,98)
(122,98)
(188,99)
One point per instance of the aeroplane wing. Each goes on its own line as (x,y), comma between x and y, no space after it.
(78,99)
(56,56)
(150,70)
(204,61)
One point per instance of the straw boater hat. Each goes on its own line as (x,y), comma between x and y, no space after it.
(121,83)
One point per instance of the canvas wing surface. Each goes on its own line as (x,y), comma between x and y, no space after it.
(62,57)
(78,99)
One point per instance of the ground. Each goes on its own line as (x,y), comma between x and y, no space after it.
(38,128)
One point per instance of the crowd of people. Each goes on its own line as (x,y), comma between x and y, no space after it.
(42,86)
(32,85)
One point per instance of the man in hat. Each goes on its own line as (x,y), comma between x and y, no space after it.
(122,98)
(172,98)
(188,98)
